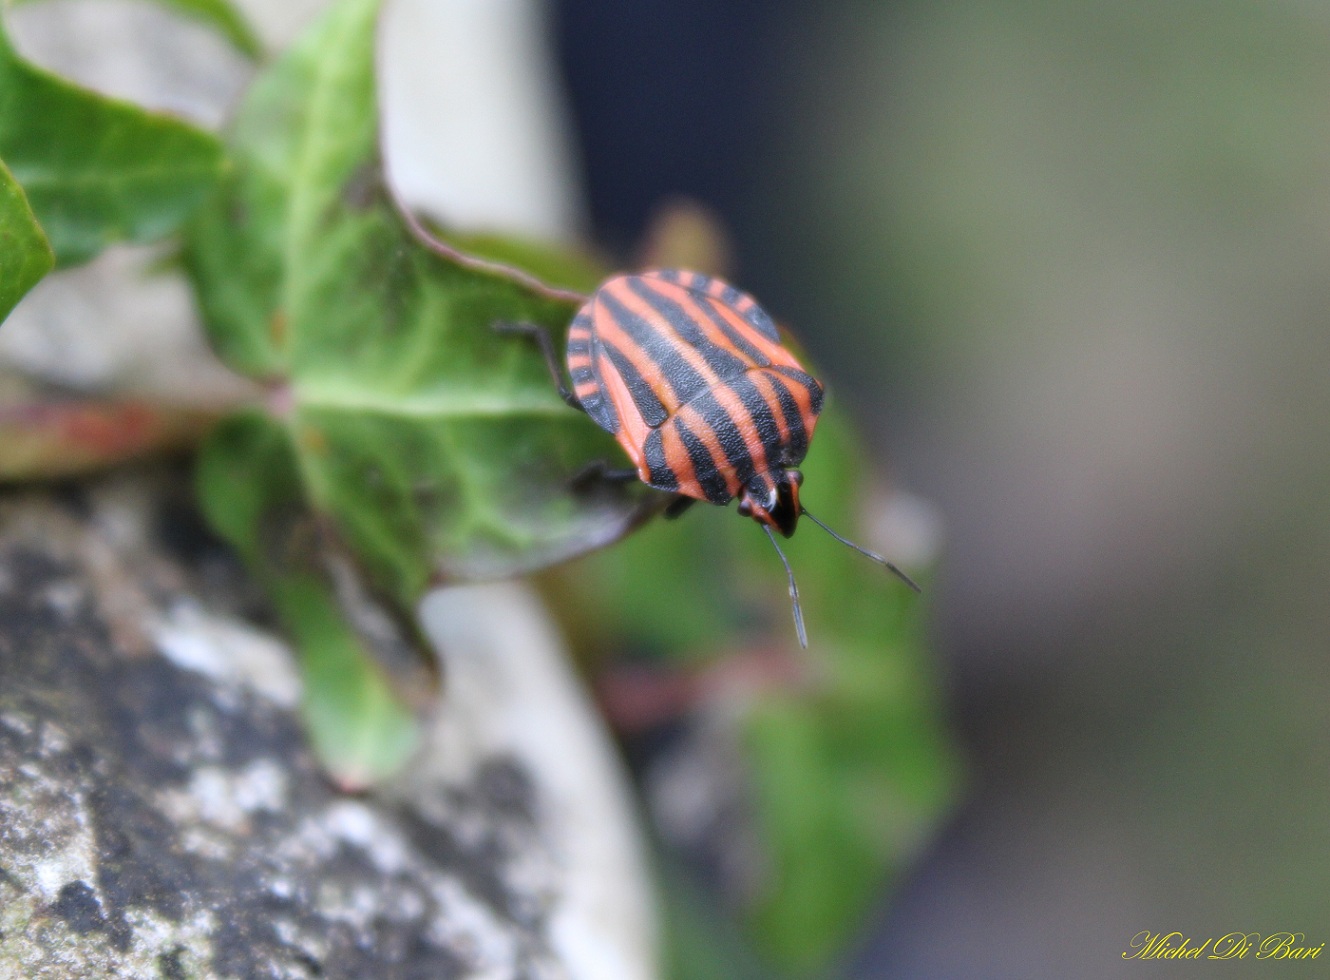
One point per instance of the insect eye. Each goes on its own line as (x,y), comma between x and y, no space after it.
(745,507)
(795,477)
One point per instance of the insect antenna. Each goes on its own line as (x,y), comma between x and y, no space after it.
(863,551)
(794,591)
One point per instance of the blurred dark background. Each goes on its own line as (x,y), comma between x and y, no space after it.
(1066,265)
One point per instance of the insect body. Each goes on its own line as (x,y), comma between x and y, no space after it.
(690,376)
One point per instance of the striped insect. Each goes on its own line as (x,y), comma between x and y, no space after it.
(690,376)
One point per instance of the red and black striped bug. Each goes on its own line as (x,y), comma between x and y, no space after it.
(690,376)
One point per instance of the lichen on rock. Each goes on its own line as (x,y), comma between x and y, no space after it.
(160,815)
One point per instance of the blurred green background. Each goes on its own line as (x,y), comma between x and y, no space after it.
(1069,266)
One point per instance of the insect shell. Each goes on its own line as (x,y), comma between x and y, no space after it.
(690,376)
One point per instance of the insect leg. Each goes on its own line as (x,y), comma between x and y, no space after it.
(677,506)
(598,471)
(542,338)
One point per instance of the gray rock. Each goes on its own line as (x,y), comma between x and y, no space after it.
(161,816)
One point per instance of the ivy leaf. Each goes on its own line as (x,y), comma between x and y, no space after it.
(850,771)
(437,447)
(25,254)
(95,169)
(699,941)
(221,16)
(851,777)
(407,443)
(249,487)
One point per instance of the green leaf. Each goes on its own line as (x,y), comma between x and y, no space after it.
(699,943)
(97,170)
(851,773)
(408,442)
(435,446)
(25,254)
(221,16)
(250,490)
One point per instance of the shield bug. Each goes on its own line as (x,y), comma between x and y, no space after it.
(690,376)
